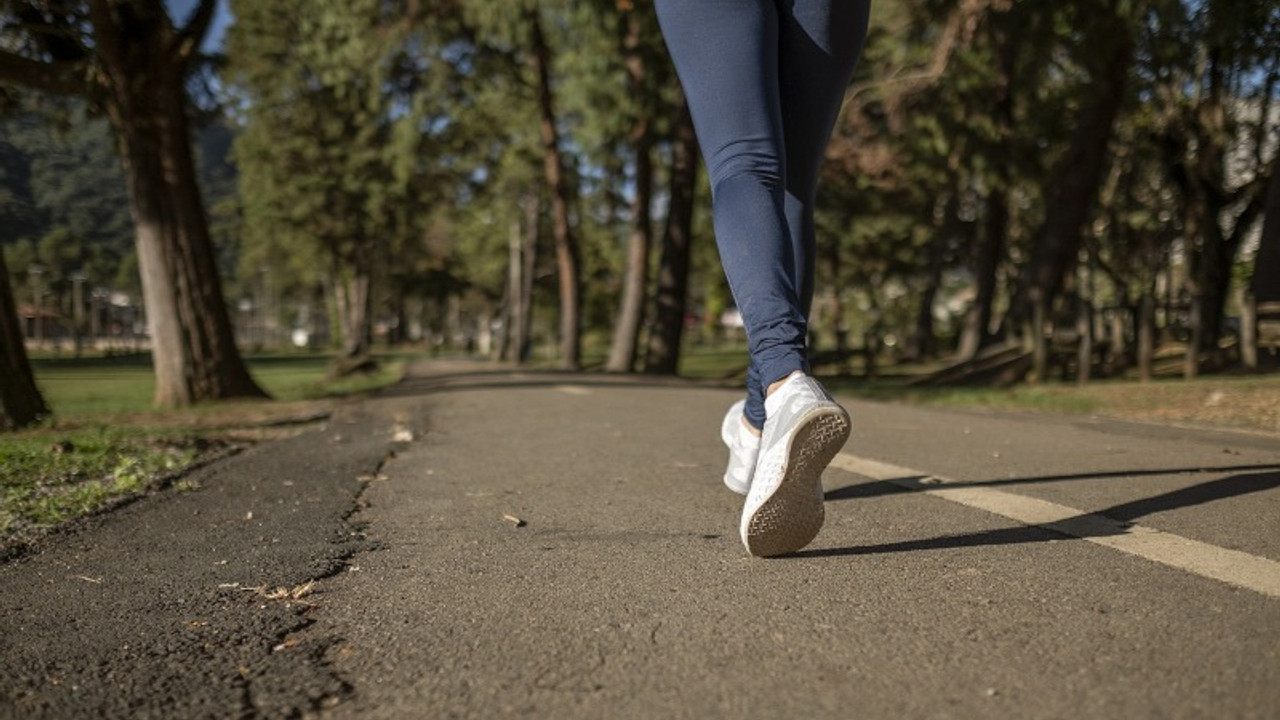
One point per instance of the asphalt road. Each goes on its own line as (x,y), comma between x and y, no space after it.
(498,544)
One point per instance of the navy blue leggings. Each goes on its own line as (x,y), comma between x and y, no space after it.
(764,80)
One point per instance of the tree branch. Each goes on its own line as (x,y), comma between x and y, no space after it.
(1256,203)
(194,31)
(62,78)
(957,31)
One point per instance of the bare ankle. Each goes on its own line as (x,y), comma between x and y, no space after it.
(774,386)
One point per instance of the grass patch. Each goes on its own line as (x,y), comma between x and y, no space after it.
(91,388)
(96,386)
(1243,402)
(48,477)
(715,362)
(1046,399)
(105,442)
(1250,402)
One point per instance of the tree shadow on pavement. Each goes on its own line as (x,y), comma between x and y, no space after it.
(1114,520)
(422,384)
(900,485)
(437,378)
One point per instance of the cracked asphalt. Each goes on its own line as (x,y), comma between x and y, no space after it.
(488,543)
(164,608)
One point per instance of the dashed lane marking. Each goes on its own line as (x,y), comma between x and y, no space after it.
(1230,566)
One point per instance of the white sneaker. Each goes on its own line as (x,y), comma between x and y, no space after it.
(744,447)
(803,431)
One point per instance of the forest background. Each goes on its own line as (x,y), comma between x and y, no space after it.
(1030,189)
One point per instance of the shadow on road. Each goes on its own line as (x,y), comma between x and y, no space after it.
(420,382)
(879,488)
(1122,514)
(448,377)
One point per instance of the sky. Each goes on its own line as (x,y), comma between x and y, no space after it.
(180,10)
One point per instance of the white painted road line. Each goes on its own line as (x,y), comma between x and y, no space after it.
(573,390)
(1229,566)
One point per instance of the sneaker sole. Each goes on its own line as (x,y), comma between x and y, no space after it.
(792,516)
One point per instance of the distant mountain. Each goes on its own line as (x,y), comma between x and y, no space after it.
(59,169)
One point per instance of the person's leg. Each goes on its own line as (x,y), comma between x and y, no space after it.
(819,44)
(819,41)
(726,53)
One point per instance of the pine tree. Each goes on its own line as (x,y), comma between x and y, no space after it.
(328,152)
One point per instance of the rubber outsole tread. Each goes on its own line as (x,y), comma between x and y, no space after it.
(792,516)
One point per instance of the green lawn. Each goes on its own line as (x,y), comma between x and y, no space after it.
(105,441)
(46,479)
(86,388)
(1250,402)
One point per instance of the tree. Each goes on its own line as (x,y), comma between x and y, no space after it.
(920,167)
(129,59)
(309,153)
(1005,35)
(663,353)
(1232,48)
(639,35)
(567,253)
(20,400)
(336,153)
(1265,281)
(1071,188)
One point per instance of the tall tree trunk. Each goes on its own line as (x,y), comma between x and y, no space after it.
(1034,333)
(1147,333)
(1084,324)
(1118,332)
(976,333)
(626,330)
(839,318)
(1084,340)
(20,400)
(1265,282)
(1208,293)
(663,354)
(1248,329)
(1212,269)
(1072,185)
(871,339)
(1211,274)
(522,338)
(567,262)
(1204,177)
(515,283)
(191,337)
(522,242)
(352,286)
(925,341)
